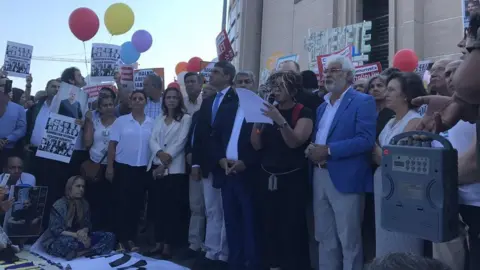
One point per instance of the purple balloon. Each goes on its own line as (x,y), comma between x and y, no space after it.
(142,40)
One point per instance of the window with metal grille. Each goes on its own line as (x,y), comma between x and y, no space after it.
(377,12)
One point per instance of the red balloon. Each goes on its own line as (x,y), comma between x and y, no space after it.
(406,60)
(174,85)
(84,23)
(194,64)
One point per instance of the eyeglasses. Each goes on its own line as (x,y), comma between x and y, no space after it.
(247,81)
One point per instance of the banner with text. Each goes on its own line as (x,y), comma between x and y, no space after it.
(94,90)
(224,47)
(105,60)
(322,60)
(18,58)
(59,138)
(207,68)
(126,76)
(141,74)
(367,71)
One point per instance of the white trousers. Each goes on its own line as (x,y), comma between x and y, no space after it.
(338,224)
(196,230)
(215,237)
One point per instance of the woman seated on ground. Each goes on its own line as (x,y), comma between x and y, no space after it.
(68,235)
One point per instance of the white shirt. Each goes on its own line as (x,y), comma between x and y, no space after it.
(25,179)
(461,137)
(153,109)
(133,138)
(232,148)
(327,118)
(101,137)
(40,124)
(192,107)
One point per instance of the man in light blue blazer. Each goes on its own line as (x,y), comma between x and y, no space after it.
(341,152)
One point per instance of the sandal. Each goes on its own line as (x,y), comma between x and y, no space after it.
(157,250)
(132,247)
(120,248)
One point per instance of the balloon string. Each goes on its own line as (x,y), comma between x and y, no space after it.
(86,61)
(110,41)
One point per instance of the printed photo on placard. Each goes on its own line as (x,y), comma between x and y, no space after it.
(105,60)
(70,101)
(18,58)
(24,219)
(59,138)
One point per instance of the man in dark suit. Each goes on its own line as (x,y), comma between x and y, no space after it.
(238,160)
(203,164)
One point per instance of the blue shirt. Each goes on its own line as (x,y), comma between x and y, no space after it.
(13,124)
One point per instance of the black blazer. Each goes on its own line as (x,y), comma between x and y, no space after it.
(189,145)
(221,133)
(202,141)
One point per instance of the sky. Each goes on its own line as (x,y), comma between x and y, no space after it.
(181,29)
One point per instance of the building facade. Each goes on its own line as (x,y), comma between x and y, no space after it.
(244,28)
(432,28)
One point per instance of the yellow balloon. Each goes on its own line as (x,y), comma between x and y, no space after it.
(119,19)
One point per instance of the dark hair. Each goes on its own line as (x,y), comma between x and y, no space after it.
(297,66)
(389,71)
(51,81)
(69,74)
(180,110)
(309,79)
(228,69)
(292,81)
(411,85)
(368,85)
(112,93)
(156,81)
(139,92)
(17,95)
(102,99)
(190,74)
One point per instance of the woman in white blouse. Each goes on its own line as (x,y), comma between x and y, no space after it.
(96,136)
(169,192)
(127,160)
(401,89)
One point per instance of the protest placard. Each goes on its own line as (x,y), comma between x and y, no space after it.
(59,138)
(141,74)
(24,219)
(322,59)
(224,47)
(105,60)
(291,57)
(207,68)
(127,76)
(94,90)
(70,101)
(18,58)
(367,71)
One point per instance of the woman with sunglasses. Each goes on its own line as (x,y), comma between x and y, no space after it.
(127,160)
(96,136)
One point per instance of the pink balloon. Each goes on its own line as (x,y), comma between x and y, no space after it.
(142,40)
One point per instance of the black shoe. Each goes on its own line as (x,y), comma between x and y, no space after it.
(220,265)
(202,263)
(188,254)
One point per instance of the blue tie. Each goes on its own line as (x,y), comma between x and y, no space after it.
(216,105)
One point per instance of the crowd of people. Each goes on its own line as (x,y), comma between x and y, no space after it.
(301,193)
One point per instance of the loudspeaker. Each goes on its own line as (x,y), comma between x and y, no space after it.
(420,187)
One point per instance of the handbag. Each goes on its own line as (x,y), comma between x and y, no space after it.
(91,171)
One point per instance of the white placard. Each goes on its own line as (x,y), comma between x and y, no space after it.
(18,58)
(105,60)
(59,138)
